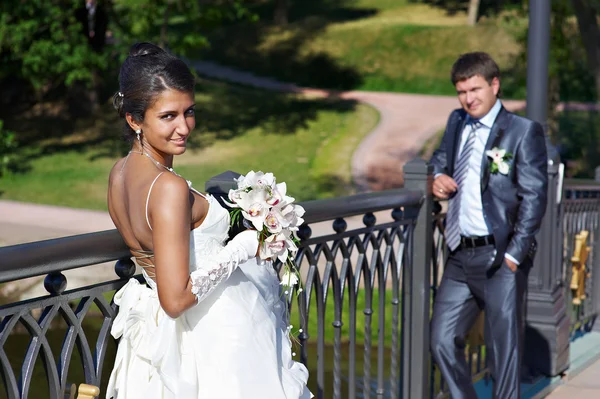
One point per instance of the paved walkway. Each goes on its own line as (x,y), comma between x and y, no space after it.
(406,122)
(585,385)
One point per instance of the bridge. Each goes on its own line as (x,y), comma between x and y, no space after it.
(370,264)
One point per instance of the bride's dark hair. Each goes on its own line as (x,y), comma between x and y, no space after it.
(148,71)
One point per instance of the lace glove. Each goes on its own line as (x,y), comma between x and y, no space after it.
(211,272)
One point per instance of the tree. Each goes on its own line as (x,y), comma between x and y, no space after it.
(586,12)
(473,12)
(41,43)
(280,16)
(179,25)
(47,45)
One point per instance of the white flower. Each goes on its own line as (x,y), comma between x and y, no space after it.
(256,180)
(278,196)
(499,160)
(289,279)
(265,180)
(254,207)
(278,245)
(234,197)
(496,154)
(503,167)
(275,221)
(293,216)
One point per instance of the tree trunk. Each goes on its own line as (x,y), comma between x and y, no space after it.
(590,35)
(164,28)
(281,12)
(473,12)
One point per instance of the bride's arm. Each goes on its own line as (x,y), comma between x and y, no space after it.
(170,211)
(170,216)
(212,271)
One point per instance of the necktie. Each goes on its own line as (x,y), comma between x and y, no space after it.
(460,176)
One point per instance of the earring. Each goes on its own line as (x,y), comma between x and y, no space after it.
(138,133)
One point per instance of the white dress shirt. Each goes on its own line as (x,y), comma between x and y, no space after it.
(471,220)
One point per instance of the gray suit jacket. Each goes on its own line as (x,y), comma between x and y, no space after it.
(513,204)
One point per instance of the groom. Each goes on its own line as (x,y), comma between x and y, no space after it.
(492,166)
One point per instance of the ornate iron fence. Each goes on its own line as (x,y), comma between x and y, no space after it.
(364,310)
(54,329)
(581,262)
(369,283)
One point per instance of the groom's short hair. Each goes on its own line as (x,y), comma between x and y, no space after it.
(472,64)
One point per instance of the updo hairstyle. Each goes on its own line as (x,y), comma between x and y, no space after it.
(148,71)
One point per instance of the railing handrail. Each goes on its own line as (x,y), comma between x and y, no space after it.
(341,207)
(55,255)
(58,254)
(581,185)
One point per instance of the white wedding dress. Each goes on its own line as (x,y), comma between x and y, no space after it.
(232,345)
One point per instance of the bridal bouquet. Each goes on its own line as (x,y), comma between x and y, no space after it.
(263,203)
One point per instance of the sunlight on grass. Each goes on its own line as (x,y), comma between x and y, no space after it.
(366,45)
(238,129)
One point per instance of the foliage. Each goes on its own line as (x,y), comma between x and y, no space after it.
(47,45)
(8,144)
(578,141)
(178,25)
(41,42)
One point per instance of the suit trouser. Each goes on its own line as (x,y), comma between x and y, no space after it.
(469,284)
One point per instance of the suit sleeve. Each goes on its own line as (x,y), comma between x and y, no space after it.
(439,158)
(531,166)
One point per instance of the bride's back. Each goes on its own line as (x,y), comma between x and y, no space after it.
(128,195)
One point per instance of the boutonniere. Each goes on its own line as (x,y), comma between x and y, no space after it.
(500,160)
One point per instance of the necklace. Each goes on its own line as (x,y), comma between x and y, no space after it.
(154,160)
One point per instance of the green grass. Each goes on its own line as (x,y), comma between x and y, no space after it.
(361,320)
(66,162)
(367,45)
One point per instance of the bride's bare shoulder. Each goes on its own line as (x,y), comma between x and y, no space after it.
(115,174)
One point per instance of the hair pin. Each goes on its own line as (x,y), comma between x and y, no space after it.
(120,94)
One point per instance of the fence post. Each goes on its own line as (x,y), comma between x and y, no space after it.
(220,184)
(547,335)
(418,176)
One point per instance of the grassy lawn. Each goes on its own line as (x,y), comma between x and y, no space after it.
(306,142)
(382,45)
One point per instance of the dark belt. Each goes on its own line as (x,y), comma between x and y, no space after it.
(476,241)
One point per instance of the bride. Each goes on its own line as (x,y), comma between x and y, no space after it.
(209,323)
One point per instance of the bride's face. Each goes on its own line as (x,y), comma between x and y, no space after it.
(169,121)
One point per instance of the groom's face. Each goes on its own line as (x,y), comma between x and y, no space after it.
(477,96)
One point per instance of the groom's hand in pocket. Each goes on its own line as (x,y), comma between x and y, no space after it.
(511,265)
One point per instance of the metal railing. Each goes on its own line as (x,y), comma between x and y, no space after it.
(364,310)
(582,213)
(370,277)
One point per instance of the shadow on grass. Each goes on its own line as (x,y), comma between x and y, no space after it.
(453,7)
(270,50)
(230,111)
(224,112)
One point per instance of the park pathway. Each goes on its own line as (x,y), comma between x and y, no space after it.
(407,122)
(585,385)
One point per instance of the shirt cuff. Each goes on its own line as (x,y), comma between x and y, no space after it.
(509,257)
(437,175)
